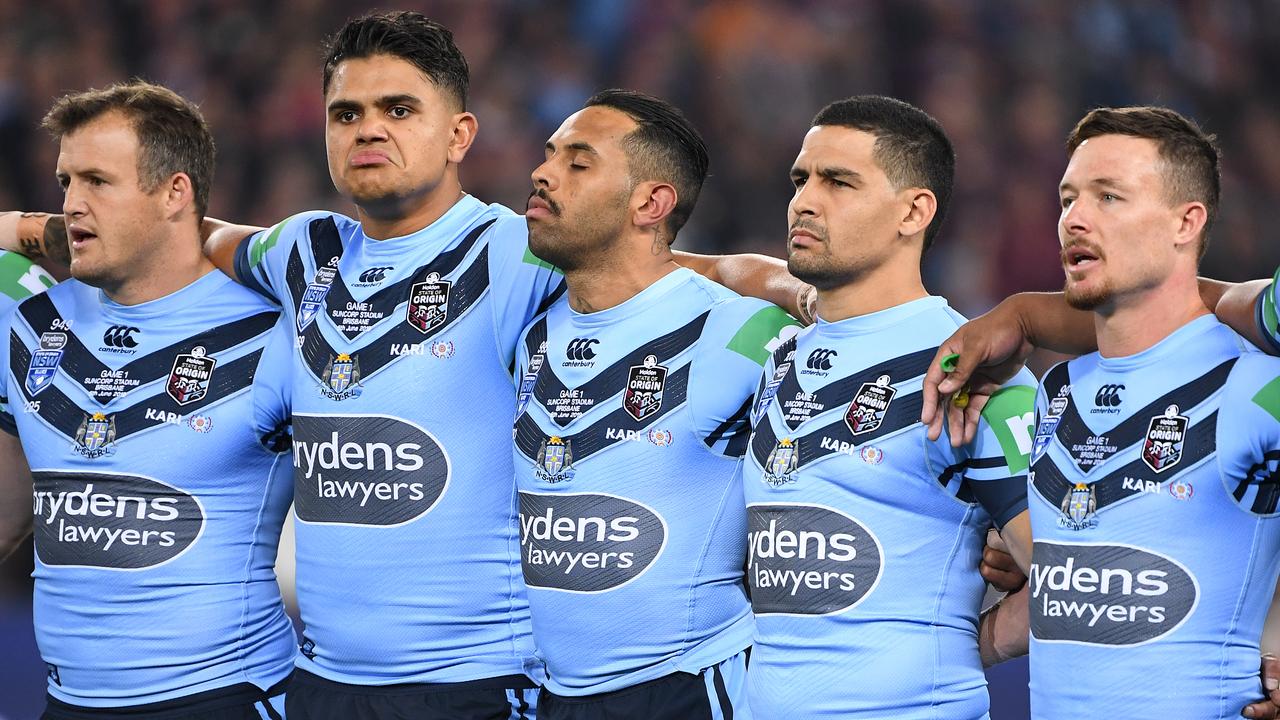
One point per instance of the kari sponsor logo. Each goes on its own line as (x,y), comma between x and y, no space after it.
(809,559)
(1096,594)
(365,469)
(106,520)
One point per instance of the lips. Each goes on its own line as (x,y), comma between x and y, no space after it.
(369,158)
(540,207)
(80,235)
(803,237)
(1079,257)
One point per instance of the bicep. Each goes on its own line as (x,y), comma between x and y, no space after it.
(222,241)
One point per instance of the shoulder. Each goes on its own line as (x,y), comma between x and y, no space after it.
(749,327)
(1254,379)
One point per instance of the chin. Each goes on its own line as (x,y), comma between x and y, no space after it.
(1087,298)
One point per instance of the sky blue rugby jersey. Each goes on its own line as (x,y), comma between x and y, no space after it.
(863,536)
(161,480)
(1267,318)
(408,556)
(630,427)
(1155,498)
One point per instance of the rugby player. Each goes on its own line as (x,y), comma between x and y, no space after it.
(631,421)
(862,532)
(159,463)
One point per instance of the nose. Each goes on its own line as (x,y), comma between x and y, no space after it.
(805,202)
(544,177)
(1074,220)
(372,128)
(74,204)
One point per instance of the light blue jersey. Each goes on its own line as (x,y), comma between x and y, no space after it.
(1266,316)
(630,426)
(1157,546)
(408,549)
(161,482)
(863,536)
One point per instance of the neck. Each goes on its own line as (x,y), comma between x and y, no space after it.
(600,284)
(407,215)
(164,275)
(1129,325)
(879,289)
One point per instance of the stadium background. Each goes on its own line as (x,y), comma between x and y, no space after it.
(1007,78)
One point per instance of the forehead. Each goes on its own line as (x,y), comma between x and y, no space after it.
(1121,158)
(106,141)
(600,127)
(831,145)
(368,78)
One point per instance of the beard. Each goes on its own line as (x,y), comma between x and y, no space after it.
(1088,299)
(571,242)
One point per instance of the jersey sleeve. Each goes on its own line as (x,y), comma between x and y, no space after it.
(523,284)
(725,375)
(1265,316)
(20,278)
(1248,433)
(272,389)
(263,257)
(996,462)
(7,422)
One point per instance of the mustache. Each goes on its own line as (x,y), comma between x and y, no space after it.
(1091,249)
(809,226)
(552,204)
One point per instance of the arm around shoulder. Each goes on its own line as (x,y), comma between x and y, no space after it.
(15,495)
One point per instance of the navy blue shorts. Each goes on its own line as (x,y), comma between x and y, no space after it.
(716,693)
(511,697)
(244,701)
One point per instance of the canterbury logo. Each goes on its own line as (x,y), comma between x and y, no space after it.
(120,336)
(820,359)
(376,274)
(1108,396)
(580,349)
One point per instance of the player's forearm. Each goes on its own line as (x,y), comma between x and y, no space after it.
(1004,631)
(758,276)
(36,235)
(1235,304)
(1047,321)
(221,239)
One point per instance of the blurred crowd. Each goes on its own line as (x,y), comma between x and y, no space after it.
(1007,78)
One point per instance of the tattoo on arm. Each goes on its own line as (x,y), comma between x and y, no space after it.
(56,245)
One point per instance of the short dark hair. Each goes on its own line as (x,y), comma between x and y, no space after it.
(1191,156)
(664,146)
(911,146)
(172,134)
(408,35)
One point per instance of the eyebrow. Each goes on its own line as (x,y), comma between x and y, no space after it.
(830,173)
(384,101)
(576,146)
(1102,182)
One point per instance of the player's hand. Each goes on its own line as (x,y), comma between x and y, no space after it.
(1269,708)
(992,348)
(998,567)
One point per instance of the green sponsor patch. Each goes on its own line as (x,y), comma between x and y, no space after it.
(264,243)
(1010,413)
(760,335)
(532,259)
(1268,398)
(20,278)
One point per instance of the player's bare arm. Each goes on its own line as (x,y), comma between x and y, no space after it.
(757,276)
(221,239)
(36,235)
(15,495)
(1004,630)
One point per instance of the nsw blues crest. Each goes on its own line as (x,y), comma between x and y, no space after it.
(530,379)
(44,362)
(555,460)
(643,396)
(96,435)
(783,461)
(313,297)
(1048,425)
(341,378)
(771,389)
(1078,508)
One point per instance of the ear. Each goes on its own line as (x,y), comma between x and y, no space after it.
(652,202)
(1190,219)
(179,194)
(465,128)
(920,209)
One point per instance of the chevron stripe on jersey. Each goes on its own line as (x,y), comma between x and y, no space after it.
(835,395)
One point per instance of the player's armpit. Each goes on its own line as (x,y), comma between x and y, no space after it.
(15,495)
(758,276)
(221,241)
(1004,631)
